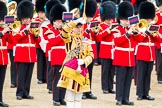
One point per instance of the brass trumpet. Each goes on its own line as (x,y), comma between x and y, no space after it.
(142,25)
(35,31)
(15,27)
(96,29)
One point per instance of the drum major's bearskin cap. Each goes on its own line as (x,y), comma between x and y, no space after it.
(146,10)
(56,12)
(108,10)
(74,4)
(49,4)
(3,10)
(125,10)
(90,9)
(40,5)
(25,9)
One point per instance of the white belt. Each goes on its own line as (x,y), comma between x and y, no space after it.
(124,49)
(92,42)
(3,47)
(107,43)
(58,47)
(161,47)
(146,43)
(25,45)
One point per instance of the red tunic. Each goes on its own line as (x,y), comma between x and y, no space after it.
(3,49)
(107,43)
(47,36)
(57,48)
(124,48)
(11,41)
(25,50)
(93,39)
(146,48)
(159,22)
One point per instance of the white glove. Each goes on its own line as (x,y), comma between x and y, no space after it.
(79,69)
(80,61)
(80,20)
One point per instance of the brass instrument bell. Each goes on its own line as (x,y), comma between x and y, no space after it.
(142,25)
(15,27)
(11,8)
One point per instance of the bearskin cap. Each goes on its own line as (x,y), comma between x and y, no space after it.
(158,2)
(56,12)
(74,4)
(17,1)
(62,1)
(49,4)
(40,5)
(108,10)
(125,10)
(102,1)
(90,9)
(146,10)
(25,9)
(136,5)
(98,1)
(3,10)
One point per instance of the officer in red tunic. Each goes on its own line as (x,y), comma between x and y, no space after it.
(25,51)
(124,59)
(41,59)
(3,51)
(105,36)
(57,51)
(146,53)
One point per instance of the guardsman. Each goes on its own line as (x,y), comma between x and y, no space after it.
(90,10)
(25,50)
(41,59)
(11,43)
(146,52)
(3,51)
(44,41)
(106,38)
(124,59)
(159,45)
(57,51)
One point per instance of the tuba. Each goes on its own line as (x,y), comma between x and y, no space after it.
(35,14)
(11,8)
(76,12)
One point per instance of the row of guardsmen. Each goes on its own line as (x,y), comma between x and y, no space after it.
(65,50)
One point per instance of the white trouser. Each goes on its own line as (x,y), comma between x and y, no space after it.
(73,99)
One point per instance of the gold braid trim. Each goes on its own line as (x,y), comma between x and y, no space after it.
(66,32)
(73,74)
